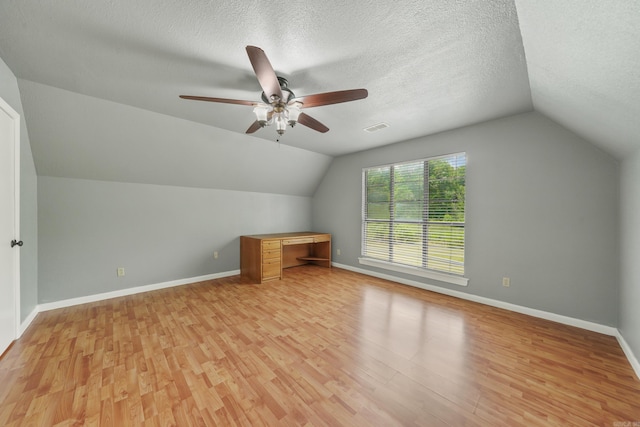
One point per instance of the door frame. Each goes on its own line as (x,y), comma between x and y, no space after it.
(15,117)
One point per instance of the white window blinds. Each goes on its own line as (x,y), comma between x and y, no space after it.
(413,213)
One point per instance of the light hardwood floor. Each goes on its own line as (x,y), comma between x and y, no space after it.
(321,347)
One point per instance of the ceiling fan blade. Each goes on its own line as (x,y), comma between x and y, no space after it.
(221,100)
(310,122)
(329,98)
(264,72)
(254,127)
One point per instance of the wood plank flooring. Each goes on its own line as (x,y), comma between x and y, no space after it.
(323,347)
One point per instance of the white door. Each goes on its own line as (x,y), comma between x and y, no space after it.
(9,224)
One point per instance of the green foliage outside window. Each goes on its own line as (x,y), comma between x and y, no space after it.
(414,213)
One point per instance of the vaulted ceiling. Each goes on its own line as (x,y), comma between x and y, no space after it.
(100,80)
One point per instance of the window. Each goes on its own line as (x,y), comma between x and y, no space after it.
(413,215)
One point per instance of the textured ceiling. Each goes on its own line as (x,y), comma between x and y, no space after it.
(583,58)
(429,66)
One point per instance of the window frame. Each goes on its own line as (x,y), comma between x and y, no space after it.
(424,222)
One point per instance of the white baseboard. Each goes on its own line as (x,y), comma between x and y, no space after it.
(591,326)
(627,352)
(130,291)
(25,324)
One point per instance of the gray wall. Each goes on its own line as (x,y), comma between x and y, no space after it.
(542,208)
(28,199)
(629,318)
(88,229)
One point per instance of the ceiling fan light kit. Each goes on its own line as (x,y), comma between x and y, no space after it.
(280,106)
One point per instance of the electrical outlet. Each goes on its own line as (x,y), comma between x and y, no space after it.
(506,282)
(337,251)
(120,271)
(215,255)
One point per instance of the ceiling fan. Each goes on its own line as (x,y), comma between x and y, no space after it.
(279,104)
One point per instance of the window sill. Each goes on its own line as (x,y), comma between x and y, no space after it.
(442,277)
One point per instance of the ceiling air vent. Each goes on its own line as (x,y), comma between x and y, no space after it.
(376,127)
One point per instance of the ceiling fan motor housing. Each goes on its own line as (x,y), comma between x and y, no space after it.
(287,94)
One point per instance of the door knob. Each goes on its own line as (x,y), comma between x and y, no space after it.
(16,243)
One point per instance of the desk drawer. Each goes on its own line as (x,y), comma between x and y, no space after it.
(266,261)
(268,254)
(270,270)
(297,241)
(322,238)
(270,244)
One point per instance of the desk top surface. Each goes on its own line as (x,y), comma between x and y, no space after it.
(285,235)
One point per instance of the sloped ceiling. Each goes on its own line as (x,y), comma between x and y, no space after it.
(110,72)
(583,58)
(79,136)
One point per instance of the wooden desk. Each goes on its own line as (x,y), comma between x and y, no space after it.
(263,256)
